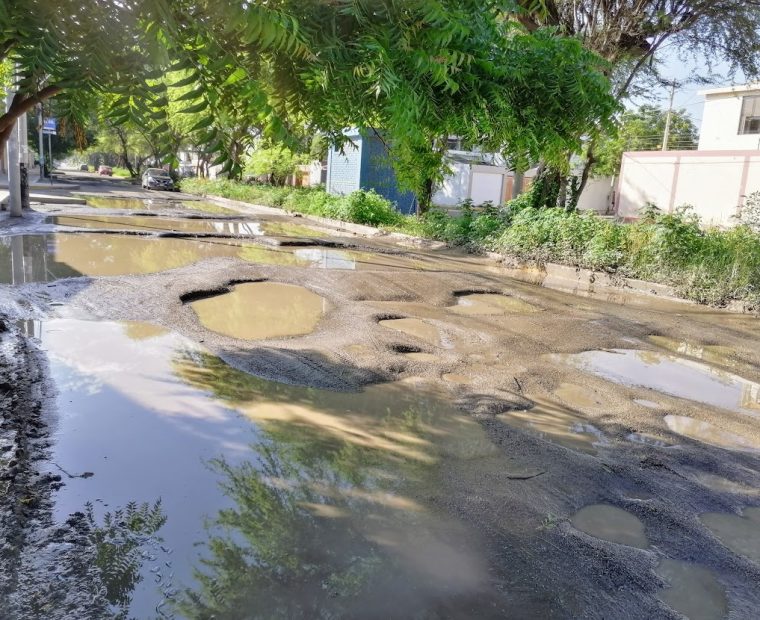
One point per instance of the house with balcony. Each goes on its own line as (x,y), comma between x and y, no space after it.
(716,178)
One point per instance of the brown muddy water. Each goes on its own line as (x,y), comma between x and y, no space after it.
(416,328)
(241,493)
(557,424)
(740,533)
(260,310)
(488,304)
(192,225)
(693,590)
(612,524)
(157,204)
(676,376)
(47,257)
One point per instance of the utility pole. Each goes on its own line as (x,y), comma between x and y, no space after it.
(668,118)
(14,172)
(50,164)
(42,142)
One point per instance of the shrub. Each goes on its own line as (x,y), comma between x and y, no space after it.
(709,266)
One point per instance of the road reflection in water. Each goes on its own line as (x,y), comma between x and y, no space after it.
(279,500)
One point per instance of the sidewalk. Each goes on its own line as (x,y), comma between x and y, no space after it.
(38,183)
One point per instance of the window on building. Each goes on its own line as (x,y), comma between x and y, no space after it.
(750,121)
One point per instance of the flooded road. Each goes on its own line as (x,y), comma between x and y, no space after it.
(257,417)
(248,480)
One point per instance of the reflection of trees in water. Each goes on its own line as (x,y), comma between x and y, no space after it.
(298,541)
(120,548)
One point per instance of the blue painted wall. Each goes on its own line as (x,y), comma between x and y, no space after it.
(377,174)
(366,167)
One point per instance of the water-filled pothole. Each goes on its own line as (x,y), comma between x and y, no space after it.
(713,354)
(329,258)
(672,375)
(577,396)
(322,493)
(741,534)
(47,257)
(416,328)
(491,303)
(709,434)
(159,224)
(157,203)
(557,424)
(612,524)
(260,310)
(692,590)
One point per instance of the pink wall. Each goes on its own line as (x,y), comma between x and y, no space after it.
(713,182)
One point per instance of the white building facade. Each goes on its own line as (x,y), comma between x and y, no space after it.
(716,178)
(731,119)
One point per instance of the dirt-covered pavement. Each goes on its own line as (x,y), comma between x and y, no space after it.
(432,438)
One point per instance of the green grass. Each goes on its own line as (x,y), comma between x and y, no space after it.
(360,207)
(120,172)
(708,266)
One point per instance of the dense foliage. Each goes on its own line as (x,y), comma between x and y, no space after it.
(643,129)
(359,207)
(710,266)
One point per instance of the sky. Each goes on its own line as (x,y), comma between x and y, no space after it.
(687,96)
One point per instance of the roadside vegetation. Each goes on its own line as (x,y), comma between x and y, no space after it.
(711,266)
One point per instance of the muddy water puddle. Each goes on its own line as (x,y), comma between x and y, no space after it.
(692,590)
(260,310)
(712,354)
(157,204)
(557,424)
(288,499)
(741,534)
(709,433)
(228,226)
(485,304)
(611,524)
(47,257)
(415,328)
(158,224)
(669,374)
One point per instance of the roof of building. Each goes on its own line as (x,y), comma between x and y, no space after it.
(729,90)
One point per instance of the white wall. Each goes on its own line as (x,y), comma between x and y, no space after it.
(714,184)
(597,195)
(487,184)
(455,187)
(720,124)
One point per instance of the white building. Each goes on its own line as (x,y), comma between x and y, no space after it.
(731,120)
(715,179)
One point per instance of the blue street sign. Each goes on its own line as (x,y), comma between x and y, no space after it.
(49,126)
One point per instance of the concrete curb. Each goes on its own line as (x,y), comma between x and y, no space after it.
(359,229)
(565,278)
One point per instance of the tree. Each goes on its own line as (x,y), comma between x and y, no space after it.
(417,72)
(628,34)
(74,50)
(276,161)
(643,130)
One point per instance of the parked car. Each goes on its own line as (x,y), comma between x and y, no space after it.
(84,168)
(156,178)
(105,170)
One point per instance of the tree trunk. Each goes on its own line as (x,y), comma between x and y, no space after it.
(424,201)
(125,152)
